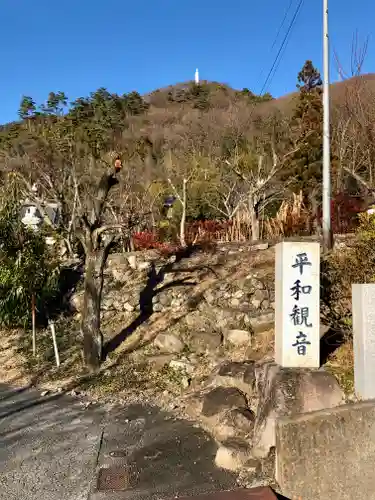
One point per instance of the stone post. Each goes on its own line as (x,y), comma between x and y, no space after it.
(363,310)
(297,307)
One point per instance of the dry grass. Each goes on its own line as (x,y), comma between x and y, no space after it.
(341,364)
(240,229)
(290,219)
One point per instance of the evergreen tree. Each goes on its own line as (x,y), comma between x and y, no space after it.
(306,164)
(55,104)
(27,107)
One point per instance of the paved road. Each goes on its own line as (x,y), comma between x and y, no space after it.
(48,446)
(53,448)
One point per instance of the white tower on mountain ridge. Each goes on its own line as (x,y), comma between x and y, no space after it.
(196,77)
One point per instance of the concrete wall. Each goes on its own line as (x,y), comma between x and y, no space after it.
(328,454)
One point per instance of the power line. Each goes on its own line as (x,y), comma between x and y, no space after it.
(282,53)
(285,39)
(278,33)
(282,23)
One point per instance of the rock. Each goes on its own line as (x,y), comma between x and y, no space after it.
(76,301)
(128,307)
(232,455)
(250,472)
(120,274)
(176,303)
(260,246)
(185,382)
(222,399)
(238,338)
(160,360)
(241,418)
(255,282)
(235,302)
(286,392)
(258,297)
(117,260)
(239,374)
(182,365)
(132,261)
(44,393)
(142,266)
(134,300)
(169,343)
(107,304)
(194,320)
(202,342)
(118,305)
(235,423)
(209,297)
(194,404)
(263,323)
(165,299)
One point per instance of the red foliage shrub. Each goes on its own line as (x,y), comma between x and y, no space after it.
(148,240)
(344,212)
(207,230)
(344,218)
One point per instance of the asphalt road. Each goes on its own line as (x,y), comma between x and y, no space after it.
(53,448)
(48,446)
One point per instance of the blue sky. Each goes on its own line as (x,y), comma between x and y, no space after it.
(78,46)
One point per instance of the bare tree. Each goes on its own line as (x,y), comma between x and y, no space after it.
(230,196)
(182,198)
(358,56)
(96,248)
(181,172)
(353,135)
(258,169)
(90,220)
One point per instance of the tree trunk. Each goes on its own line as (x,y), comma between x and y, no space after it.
(314,227)
(90,321)
(96,247)
(253,218)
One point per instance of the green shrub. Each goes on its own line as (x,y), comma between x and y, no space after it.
(342,268)
(27,266)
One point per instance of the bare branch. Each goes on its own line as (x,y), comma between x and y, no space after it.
(357,177)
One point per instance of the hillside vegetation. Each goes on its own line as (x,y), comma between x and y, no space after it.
(239,154)
(181,165)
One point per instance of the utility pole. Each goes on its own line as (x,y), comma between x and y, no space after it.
(327,230)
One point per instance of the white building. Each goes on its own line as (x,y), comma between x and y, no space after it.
(31,216)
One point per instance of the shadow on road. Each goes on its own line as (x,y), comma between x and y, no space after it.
(48,446)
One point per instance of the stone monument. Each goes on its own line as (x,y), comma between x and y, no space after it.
(363,310)
(297,308)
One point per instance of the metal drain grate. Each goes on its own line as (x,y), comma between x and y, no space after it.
(113,479)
